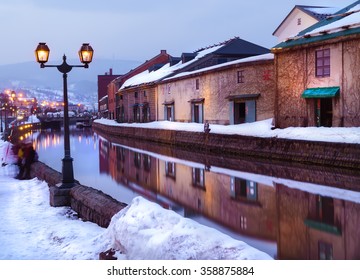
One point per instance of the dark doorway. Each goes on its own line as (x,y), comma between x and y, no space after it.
(324,112)
(239,112)
(325,209)
(196,113)
(168,113)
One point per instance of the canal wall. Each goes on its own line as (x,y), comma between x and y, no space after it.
(339,155)
(90,204)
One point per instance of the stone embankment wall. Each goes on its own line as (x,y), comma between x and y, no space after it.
(90,204)
(341,155)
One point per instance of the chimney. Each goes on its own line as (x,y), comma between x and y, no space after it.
(163,51)
(110,72)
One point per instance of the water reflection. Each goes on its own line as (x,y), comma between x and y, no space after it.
(290,212)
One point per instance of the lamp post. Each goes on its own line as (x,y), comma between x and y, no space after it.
(1,121)
(85,54)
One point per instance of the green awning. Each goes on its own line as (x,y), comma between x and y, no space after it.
(321,92)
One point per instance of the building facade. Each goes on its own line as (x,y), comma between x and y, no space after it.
(190,80)
(317,74)
(232,93)
(137,103)
(300,18)
(104,96)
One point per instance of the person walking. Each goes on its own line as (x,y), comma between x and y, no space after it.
(29,156)
(20,160)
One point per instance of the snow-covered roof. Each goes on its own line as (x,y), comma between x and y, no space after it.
(165,71)
(268,56)
(342,23)
(316,12)
(152,76)
(349,20)
(319,13)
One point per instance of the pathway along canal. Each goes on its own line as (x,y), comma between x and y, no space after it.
(285,210)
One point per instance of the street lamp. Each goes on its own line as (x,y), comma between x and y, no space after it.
(85,54)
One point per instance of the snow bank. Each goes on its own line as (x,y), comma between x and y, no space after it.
(145,230)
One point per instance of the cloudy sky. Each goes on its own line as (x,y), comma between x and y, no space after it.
(137,29)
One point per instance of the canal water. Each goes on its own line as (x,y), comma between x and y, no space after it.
(285,210)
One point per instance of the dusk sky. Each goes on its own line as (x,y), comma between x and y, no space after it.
(137,29)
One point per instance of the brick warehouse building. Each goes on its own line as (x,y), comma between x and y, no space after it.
(103,82)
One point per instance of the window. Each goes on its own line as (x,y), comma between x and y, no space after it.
(198,177)
(323,63)
(243,222)
(197,84)
(136,94)
(137,159)
(147,162)
(242,189)
(299,21)
(170,169)
(145,93)
(240,76)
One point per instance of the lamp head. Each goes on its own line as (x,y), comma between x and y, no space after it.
(42,53)
(86,54)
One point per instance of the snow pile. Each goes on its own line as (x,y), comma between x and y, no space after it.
(145,230)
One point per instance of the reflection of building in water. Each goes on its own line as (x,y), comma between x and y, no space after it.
(104,155)
(316,227)
(133,169)
(245,206)
(305,225)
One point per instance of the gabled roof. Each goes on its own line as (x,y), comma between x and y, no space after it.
(342,23)
(219,67)
(155,62)
(235,48)
(316,12)
(168,69)
(239,46)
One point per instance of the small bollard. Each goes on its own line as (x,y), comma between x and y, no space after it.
(207,127)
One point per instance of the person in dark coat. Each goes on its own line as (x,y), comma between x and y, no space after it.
(20,153)
(29,156)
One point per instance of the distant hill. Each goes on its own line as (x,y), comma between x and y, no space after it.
(82,83)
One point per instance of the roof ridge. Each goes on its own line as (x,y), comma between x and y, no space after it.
(216,45)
